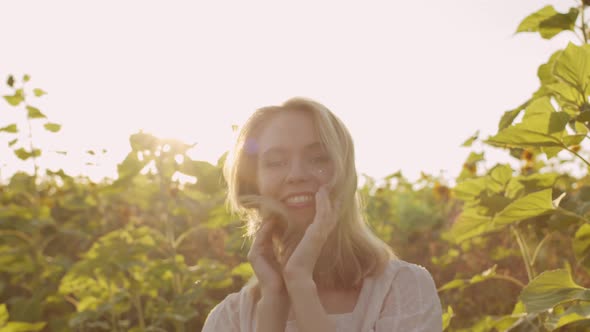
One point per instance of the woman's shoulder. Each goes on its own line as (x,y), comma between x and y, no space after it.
(405,274)
(226,315)
(234,302)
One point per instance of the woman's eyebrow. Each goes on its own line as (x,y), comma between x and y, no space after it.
(273,151)
(277,150)
(314,145)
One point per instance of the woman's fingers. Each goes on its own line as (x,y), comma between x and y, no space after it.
(325,217)
(262,238)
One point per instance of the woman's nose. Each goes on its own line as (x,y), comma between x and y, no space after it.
(298,172)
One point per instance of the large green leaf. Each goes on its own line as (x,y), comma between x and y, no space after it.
(576,313)
(509,116)
(545,71)
(532,205)
(548,22)
(540,105)
(573,66)
(468,225)
(520,137)
(551,288)
(566,95)
(470,189)
(501,174)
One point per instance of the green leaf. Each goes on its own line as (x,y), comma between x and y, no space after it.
(11,128)
(519,137)
(583,116)
(532,205)
(470,189)
(573,66)
(26,78)
(209,177)
(573,139)
(34,113)
(39,92)
(244,270)
(16,98)
(531,22)
(13,142)
(3,314)
(52,127)
(447,316)
(24,154)
(551,288)
(576,313)
(460,283)
(540,105)
(143,141)
(10,81)
(558,23)
(501,174)
(469,224)
(566,96)
(509,117)
(470,140)
(23,327)
(545,71)
(131,166)
(548,22)
(581,245)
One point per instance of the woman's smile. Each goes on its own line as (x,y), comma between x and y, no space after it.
(298,201)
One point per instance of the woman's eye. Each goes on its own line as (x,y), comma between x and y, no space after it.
(274,163)
(320,159)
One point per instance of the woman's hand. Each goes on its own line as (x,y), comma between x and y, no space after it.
(303,259)
(264,262)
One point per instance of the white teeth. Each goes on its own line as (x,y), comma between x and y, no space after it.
(299,199)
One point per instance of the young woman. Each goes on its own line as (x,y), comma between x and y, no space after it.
(317,265)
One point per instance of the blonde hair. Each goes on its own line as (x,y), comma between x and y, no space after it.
(351,252)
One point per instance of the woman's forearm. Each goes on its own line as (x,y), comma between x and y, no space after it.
(271,313)
(310,315)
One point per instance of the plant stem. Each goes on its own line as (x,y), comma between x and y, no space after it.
(572,214)
(32,147)
(582,10)
(137,304)
(577,155)
(510,279)
(524,252)
(538,248)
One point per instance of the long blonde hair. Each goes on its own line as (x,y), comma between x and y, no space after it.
(351,252)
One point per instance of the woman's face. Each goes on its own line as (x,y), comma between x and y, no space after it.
(292,163)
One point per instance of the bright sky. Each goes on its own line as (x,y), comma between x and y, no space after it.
(411,79)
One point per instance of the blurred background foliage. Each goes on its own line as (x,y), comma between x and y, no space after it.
(155,249)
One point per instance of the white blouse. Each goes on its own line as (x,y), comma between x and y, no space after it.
(402,298)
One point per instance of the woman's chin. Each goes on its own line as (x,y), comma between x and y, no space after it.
(301,220)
